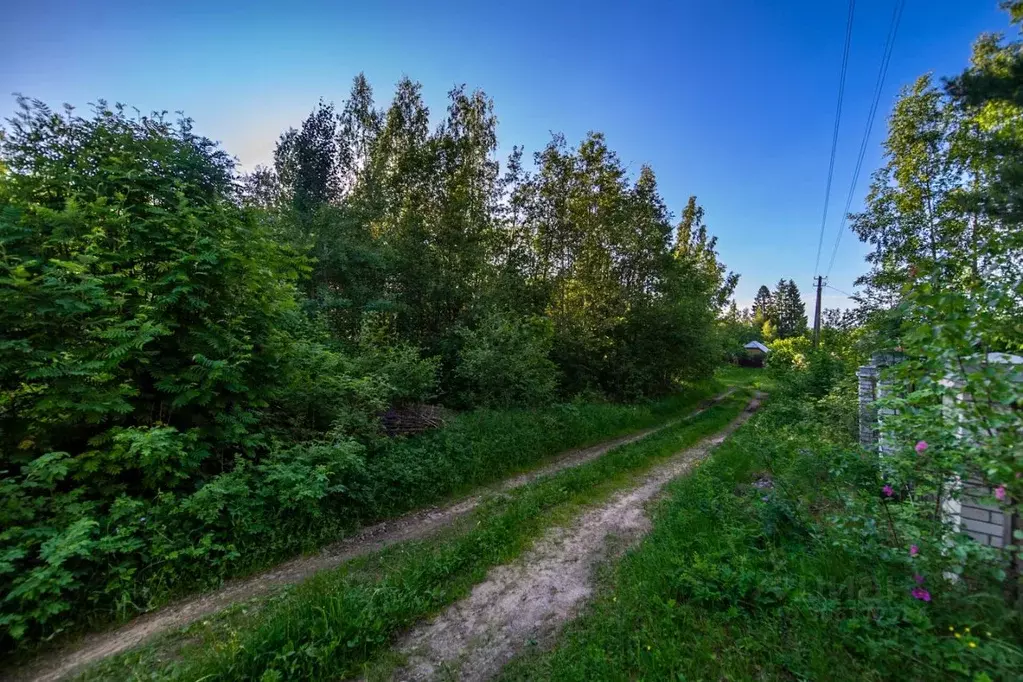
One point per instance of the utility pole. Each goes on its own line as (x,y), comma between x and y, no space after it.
(817,314)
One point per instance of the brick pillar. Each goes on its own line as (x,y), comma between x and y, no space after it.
(988,524)
(886,446)
(867,375)
(884,389)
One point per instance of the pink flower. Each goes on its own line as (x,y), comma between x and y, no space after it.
(919,579)
(921,594)
(913,550)
(888,491)
(1000,492)
(920,447)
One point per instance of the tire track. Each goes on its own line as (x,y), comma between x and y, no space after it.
(61,663)
(531,598)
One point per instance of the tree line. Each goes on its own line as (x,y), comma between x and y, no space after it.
(194,363)
(773,315)
(425,230)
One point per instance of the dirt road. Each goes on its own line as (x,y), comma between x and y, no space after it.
(60,663)
(531,598)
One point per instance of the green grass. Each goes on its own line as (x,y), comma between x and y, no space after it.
(333,624)
(484,446)
(733,375)
(473,449)
(740,583)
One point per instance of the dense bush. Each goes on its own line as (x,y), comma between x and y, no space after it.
(135,293)
(505,362)
(153,353)
(806,372)
(787,354)
(408,377)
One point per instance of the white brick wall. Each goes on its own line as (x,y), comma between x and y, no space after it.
(984,523)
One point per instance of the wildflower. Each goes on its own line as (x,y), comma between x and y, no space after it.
(923,595)
(888,491)
(648,647)
(958,636)
(951,629)
(966,629)
(913,550)
(919,579)
(973,645)
(921,447)
(1000,492)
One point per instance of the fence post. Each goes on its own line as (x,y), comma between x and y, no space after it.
(867,375)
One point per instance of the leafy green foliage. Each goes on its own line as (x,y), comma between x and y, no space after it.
(507,362)
(776,559)
(151,336)
(787,354)
(945,291)
(194,365)
(332,625)
(945,205)
(943,380)
(169,415)
(422,224)
(407,376)
(135,293)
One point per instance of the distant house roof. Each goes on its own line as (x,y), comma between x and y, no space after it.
(756,345)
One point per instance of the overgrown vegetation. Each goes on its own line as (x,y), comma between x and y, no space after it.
(783,558)
(943,296)
(795,553)
(331,625)
(194,364)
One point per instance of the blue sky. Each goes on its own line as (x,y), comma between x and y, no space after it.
(731,101)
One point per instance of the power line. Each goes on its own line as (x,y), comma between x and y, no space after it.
(882,74)
(834,137)
(878,87)
(848,295)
